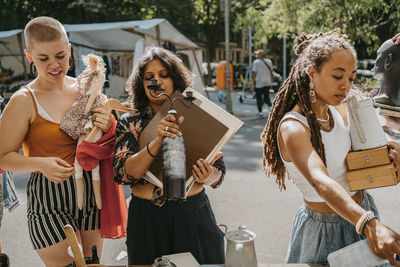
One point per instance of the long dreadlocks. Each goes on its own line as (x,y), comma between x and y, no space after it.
(313,50)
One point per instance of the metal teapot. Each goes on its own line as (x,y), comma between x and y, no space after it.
(240,250)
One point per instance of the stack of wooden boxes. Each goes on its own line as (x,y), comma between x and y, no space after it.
(370,169)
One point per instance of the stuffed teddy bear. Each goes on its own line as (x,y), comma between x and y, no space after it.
(77,122)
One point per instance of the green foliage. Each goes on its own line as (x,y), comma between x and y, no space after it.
(89,11)
(200,20)
(366,22)
(209,18)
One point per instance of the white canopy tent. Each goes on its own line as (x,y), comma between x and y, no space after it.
(103,38)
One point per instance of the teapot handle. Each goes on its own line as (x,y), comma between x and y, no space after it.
(223,226)
(239,247)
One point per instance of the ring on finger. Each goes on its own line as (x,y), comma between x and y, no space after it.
(166,129)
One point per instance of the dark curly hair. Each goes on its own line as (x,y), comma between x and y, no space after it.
(181,76)
(312,50)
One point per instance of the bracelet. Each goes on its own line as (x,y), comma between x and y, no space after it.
(363,221)
(366,222)
(148,151)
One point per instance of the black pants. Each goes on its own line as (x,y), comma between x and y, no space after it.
(189,226)
(260,92)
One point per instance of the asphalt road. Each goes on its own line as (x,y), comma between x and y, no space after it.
(247,197)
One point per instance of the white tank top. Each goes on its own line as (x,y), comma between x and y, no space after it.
(337,144)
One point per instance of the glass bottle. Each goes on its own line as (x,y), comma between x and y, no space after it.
(174,166)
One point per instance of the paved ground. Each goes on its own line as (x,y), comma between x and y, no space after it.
(246,197)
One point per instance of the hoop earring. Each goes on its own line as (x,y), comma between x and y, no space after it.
(32,69)
(71,63)
(312,93)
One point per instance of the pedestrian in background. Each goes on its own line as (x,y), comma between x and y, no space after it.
(307,138)
(263,77)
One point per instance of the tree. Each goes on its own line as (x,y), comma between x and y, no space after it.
(209,18)
(178,12)
(366,22)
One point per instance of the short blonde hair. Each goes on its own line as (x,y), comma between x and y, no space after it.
(44,29)
(259,52)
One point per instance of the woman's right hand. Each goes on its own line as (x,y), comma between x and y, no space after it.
(169,126)
(56,169)
(383,241)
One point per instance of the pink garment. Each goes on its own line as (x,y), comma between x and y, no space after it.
(113,215)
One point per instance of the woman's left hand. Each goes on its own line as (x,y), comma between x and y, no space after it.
(383,241)
(203,171)
(102,119)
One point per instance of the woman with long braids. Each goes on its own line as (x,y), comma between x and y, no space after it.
(306,138)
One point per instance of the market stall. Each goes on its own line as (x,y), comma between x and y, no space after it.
(120,43)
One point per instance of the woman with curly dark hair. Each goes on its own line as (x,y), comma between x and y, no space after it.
(307,138)
(157,227)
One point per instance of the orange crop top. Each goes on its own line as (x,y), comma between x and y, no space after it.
(45,139)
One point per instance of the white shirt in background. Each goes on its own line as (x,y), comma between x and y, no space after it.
(263,74)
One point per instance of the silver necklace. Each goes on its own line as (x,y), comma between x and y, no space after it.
(323,121)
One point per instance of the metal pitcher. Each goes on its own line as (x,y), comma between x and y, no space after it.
(240,250)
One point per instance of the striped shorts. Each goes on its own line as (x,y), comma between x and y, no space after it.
(51,206)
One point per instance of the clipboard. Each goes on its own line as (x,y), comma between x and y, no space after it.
(206,129)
